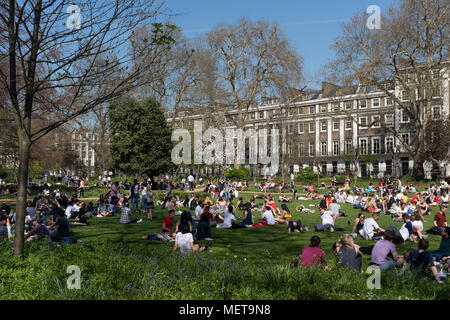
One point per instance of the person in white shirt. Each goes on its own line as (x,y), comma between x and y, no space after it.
(268,217)
(191,182)
(328,219)
(185,242)
(198,211)
(370,225)
(68,212)
(229,220)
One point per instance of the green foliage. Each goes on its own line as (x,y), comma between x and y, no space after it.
(140,138)
(235,174)
(306,174)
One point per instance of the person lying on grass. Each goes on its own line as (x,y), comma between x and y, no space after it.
(285,199)
(422,262)
(302,208)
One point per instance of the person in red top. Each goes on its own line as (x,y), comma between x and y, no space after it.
(272,204)
(166,230)
(312,254)
(440,219)
(415,198)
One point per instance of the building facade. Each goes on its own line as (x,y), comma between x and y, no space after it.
(342,129)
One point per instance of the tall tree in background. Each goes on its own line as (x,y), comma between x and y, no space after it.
(140,137)
(253,59)
(411,50)
(57,61)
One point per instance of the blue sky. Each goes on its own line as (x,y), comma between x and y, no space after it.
(310,25)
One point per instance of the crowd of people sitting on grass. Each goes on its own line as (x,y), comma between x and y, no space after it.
(51,216)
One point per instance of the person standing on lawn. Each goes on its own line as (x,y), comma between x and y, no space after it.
(134,195)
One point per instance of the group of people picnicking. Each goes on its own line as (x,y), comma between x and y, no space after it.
(49,217)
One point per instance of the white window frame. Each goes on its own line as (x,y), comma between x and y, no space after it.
(373,145)
(313,124)
(360,145)
(301,149)
(321,107)
(313,108)
(389,124)
(351,127)
(336,143)
(376,125)
(389,99)
(365,102)
(348,145)
(386,140)
(373,102)
(401,117)
(339,125)
(363,126)
(322,122)
(324,146)
(404,95)
(312,149)
(349,103)
(302,125)
(433,74)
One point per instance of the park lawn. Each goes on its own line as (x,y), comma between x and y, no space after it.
(257,244)
(246,264)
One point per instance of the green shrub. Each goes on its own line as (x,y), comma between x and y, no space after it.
(235,174)
(306,174)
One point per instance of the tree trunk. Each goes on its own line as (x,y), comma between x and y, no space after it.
(24,159)
(418,171)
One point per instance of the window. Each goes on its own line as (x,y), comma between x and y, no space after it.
(389,144)
(290,148)
(336,107)
(404,116)
(348,125)
(376,145)
(336,126)
(301,149)
(311,126)
(436,92)
(312,109)
(363,122)
(252,116)
(348,105)
(389,120)
(323,148)
(323,126)
(290,128)
(389,101)
(362,104)
(404,96)
(323,108)
(312,149)
(436,112)
(348,146)
(376,122)
(335,148)
(375,102)
(436,74)
(301,128)
(405,137)
(363,145)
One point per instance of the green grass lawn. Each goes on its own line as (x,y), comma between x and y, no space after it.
(248,263)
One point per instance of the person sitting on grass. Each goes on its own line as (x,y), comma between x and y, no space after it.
(185,220)
(247,220)
(382,249)
(3,228)
(422,262)
(229,219)
(444,247)
(358,225)
(273,205)
(372,207)
(328,219)
(125,215)
(59,228)
(185,242)
(336,208)
(417,224)
(370,226)
(203,228)
(37,230)
(439,221)
(348,253)
(312,255)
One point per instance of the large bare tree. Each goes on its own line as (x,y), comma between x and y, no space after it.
(58,55)
(411,51)
(253,59)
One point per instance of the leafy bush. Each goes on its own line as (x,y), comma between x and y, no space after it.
(237,174)
(307,174)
